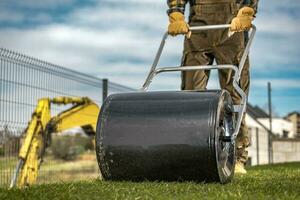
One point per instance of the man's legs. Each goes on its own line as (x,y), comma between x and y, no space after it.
(230,53)
(195,80)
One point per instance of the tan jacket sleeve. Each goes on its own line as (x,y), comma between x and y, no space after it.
(250,3)
(254,4)
(176,5)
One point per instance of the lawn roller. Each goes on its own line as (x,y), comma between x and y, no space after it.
(171,135)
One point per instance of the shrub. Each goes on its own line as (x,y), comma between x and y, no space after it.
(67,147)
(1,151)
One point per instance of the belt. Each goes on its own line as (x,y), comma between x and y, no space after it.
(210,6)
(199,2)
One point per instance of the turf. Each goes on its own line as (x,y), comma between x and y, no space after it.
(280,181)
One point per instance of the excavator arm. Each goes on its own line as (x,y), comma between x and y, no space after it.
(82,114)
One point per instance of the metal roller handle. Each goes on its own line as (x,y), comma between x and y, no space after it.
(241,108)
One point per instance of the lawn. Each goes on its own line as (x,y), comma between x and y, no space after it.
(83,168)
(281,181)
(53,170)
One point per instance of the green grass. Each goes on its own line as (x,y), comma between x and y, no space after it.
(280,181)
(58,170)
(54,170)
(8,163)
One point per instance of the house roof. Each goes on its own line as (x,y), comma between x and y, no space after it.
(256,112)
(293,113)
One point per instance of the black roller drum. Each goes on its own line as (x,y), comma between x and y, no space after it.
(166,136)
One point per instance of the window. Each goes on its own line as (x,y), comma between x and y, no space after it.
(285,134)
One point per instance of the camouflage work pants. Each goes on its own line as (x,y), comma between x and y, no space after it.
(205,47)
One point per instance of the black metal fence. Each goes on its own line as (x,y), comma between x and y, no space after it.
(24,80)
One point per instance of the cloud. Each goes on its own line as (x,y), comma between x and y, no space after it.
(86,42)
(278,17)
(31,13)
(284,24)
(10,16)
(277,83)
(36,4)
(276,45)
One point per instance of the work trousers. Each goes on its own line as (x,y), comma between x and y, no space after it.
(205,47)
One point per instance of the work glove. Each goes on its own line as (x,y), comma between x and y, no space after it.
(177,24)
(242,22)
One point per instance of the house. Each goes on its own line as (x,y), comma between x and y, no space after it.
(294,118)
(281,128)
(258,136)
(284,147)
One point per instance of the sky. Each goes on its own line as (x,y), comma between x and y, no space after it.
(118,41)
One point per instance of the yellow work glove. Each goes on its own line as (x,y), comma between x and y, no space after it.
(242,21)
(177,24)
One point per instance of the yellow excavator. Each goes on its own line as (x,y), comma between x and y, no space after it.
(83,113)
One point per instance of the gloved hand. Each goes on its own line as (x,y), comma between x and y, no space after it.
(242,21)
(177,24)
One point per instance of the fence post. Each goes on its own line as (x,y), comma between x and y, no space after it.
(104,89)
(257,146)
(270,128)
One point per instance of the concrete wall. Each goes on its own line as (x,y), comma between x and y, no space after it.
(258,149)
(286,150)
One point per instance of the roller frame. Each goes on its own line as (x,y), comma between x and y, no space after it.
(240,108)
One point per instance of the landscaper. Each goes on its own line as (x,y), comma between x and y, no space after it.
(223,46)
